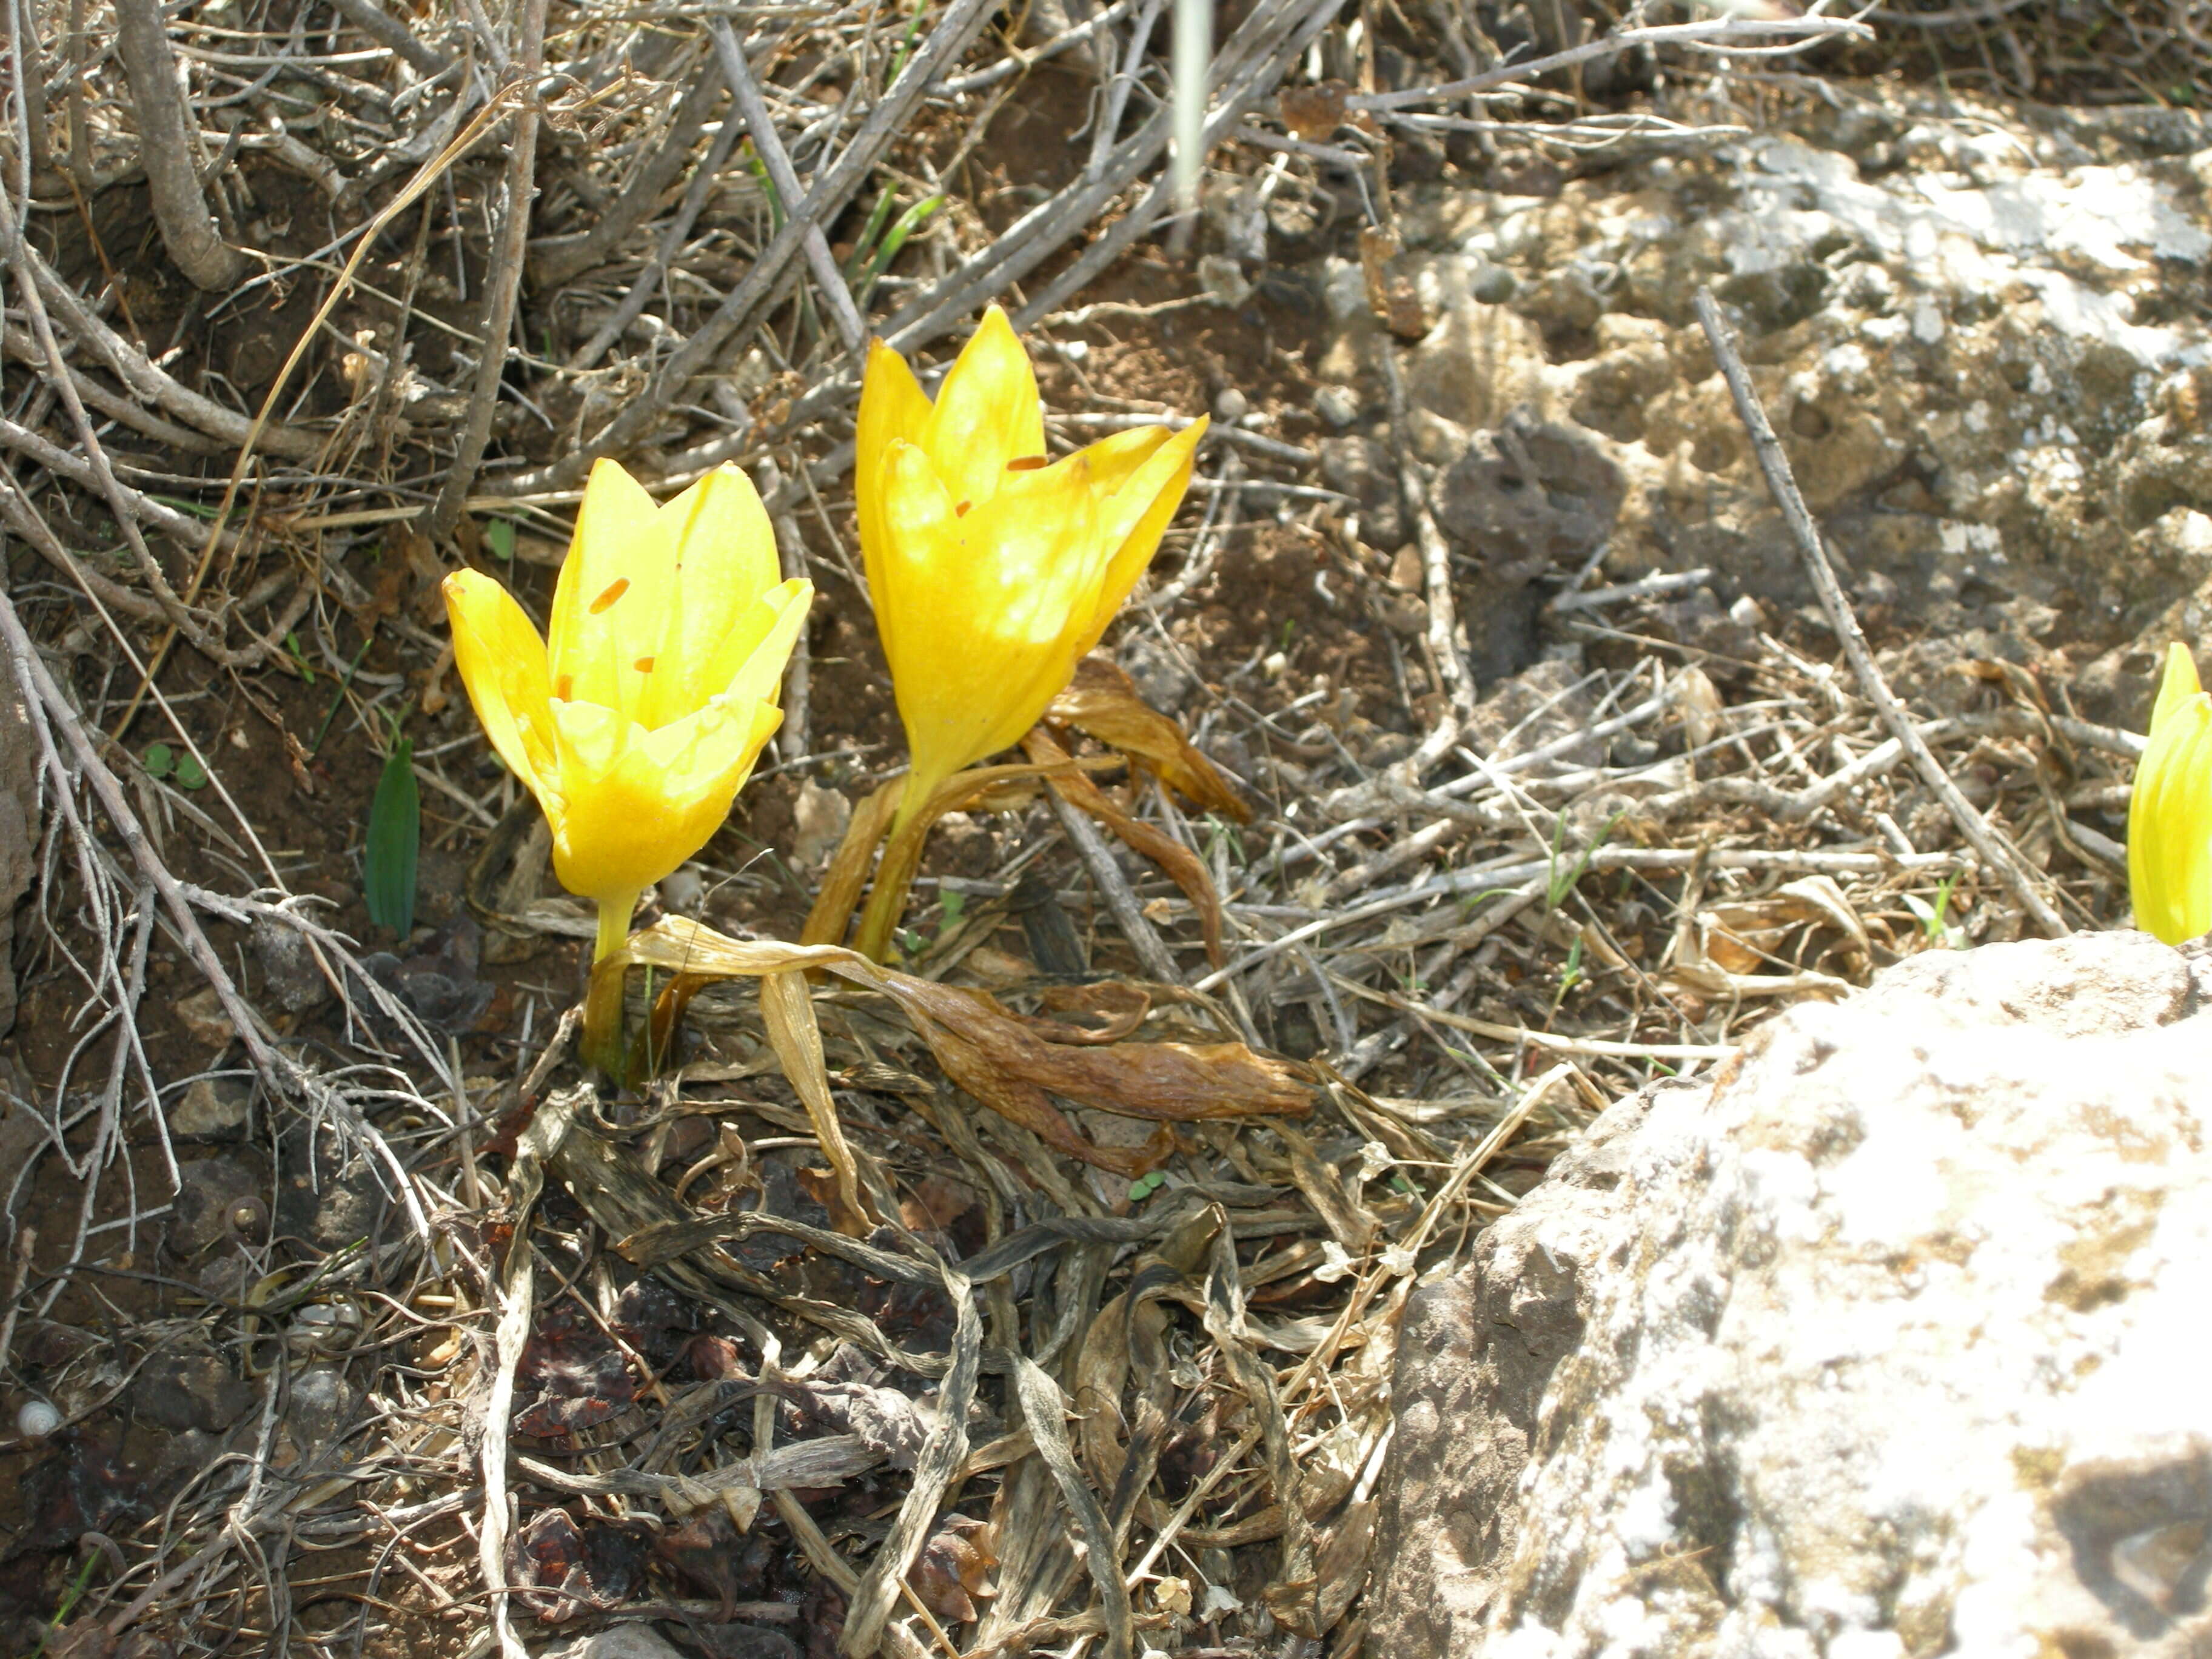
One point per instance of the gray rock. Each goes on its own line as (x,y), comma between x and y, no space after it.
(622,1642)
(1362,469)
(1161,678)
(328,1197)
(1976,330)
(289,976)
(213,1197)
(187,1390)
(1882,1342)
(1529,496)
(212,1108)
(1340,405)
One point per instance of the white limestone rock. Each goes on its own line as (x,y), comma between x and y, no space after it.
(1892,1340)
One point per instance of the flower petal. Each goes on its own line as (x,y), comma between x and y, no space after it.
(987,413)
(989,604)
(639,802)
(725,560)
(502,663)
(1137,513)
(2176,685)
(611,601)
(2170,814)
(770,629)
(892,406)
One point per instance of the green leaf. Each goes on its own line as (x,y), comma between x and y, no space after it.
(395,841)
(1144,1186)
(159,760)
(191,775)
(499,536)
(910,221)
(953,904)
(299,657)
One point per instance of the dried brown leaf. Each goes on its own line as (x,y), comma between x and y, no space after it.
(1007,1062)
(1102,701)
(1182,865)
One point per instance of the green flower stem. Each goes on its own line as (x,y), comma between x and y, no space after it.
(603,1045)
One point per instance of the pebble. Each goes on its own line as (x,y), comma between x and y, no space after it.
(1230,405)
(210,1195)
(212,1108)
(1337,404)
(289,976)
(623,1642)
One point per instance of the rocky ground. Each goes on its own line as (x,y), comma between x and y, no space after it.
(1559,784)
(1876,1346)
(1982,330)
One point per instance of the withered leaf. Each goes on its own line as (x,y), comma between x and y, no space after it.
(568,1570)
(1182,864)
(1003,1061)
(954,1568)
(1102,701)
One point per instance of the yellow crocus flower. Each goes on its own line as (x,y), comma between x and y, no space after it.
(638,724)
(2170,812)
(995,570)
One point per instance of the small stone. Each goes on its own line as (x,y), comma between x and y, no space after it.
(683,892)
(1338,405)
(210,1194)
(1223,279)
(1494,285)
(622,1642)
(743,1642)
(321,1402)
(1161,681)
(179,1391)
(212,1108)
(1230,405)
(337,1203)
(821,817)
(202,1016)
(290,977)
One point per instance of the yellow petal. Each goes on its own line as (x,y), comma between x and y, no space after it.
(639,802)
(773,626)
(2176,685)
(1137,514)
(2170,812)
(502,663)
(990,603)
(892,406)
(611,601)
(987,413)
(725,560)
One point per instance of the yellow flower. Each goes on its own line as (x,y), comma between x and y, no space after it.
(992,570)
(637,727)
(2170,813)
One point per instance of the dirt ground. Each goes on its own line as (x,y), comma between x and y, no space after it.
(155,1335)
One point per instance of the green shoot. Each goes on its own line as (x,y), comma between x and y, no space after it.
(395,841)
(1558,886)
(1571,974)
(908,223)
